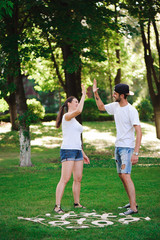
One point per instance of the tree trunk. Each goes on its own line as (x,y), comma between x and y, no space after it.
(25,150)
(72,79)
(13,116)
(152,78)
(24,135)
(157,119)
(118,75)
(11,100)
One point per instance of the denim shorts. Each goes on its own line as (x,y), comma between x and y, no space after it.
(71,155)
(123,157)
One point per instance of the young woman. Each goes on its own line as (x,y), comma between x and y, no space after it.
(71,153)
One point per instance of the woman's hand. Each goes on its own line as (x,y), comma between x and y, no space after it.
(83,89)
(86,160)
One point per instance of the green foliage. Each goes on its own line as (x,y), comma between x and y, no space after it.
(3,105)
(5,88)
(49,117)
(6,7)
(27,118)
(35,109)
(105,117)
(145,110)
(5,118)
(90,110)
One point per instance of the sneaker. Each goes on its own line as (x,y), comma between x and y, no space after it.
(129,212)
(128,206)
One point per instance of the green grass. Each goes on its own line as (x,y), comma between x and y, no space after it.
(30,192)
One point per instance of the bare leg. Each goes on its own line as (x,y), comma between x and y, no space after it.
(130,189)
(77,176)
(121,177)
(67,168)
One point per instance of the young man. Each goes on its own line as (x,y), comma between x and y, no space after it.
(126,149)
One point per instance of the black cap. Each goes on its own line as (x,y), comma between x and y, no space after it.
(122,88)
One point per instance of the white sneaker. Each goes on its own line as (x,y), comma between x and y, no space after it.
(129,212)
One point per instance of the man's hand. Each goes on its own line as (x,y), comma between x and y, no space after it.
(95,86)
(134,159)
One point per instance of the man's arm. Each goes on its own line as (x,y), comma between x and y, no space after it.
(134,158)
(99,102)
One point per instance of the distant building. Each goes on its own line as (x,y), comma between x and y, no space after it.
(29,88)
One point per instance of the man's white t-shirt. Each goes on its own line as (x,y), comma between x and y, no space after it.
(125,119)
(71,134)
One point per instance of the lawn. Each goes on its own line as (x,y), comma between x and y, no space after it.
(30,192)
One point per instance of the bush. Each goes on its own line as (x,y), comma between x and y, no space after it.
(145,110)
(105,117)
(49,117)
(5,118)
(90,111)
(3,105)
(36,109)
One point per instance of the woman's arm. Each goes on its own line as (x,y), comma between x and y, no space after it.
(79,109)
(86,159)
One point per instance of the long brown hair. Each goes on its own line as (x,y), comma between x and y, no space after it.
(61,111)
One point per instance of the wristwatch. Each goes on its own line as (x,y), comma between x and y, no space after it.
(136,153)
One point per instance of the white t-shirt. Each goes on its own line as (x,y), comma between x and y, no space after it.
(125,119)
(71,134)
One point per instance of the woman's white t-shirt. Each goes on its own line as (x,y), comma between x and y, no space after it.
(71,131)
(125,119)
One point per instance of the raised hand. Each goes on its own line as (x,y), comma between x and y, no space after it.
(83,89)
(95,86)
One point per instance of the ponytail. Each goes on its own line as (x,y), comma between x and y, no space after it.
(61,111)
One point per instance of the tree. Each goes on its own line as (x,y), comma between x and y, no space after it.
(77,29)
(11,35)
(6,84)
(118,75)
(146,12)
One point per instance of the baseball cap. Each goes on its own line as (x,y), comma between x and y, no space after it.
(122,88)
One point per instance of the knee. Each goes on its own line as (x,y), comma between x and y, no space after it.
(124,176)
(64,180)
(120,175)
(78,179)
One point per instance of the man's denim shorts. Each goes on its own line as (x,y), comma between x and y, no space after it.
(71,155)
(123,157)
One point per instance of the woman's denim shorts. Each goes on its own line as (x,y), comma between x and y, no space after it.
(71,155)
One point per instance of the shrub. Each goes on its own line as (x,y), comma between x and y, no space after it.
(3,105)
(49,117)
(105,117)
(36,109)
(90,111)
(5,118)
(145,110)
